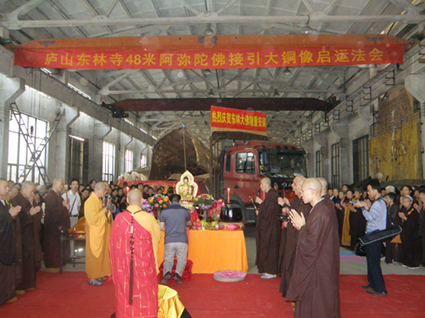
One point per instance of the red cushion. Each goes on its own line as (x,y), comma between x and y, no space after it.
(187,273)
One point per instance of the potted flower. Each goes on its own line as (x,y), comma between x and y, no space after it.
(158,202)
(215,210)
(204,202)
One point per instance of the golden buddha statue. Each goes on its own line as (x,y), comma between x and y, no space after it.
(186,187)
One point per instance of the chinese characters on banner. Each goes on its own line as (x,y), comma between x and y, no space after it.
(230,119)
(208,59)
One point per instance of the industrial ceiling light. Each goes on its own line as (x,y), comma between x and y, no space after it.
(275,93)
(306,29)
(211,93)
(208,30)
(287,71)
(207,72)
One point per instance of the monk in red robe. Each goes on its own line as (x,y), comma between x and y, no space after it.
(267,232)
(133,248)
(8,252)
(27,217)
(56,219)
(289,235)
(314,285)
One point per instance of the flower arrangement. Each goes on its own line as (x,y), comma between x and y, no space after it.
(204,201)
(146,206)
(159,201)
(215,209)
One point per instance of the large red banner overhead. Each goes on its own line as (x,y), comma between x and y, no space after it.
(217,52)
(231,119)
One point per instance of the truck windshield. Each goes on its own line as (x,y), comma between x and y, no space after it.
(281,163)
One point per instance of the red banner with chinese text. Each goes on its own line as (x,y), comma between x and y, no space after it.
(211,52)
(208,59)
(231,119)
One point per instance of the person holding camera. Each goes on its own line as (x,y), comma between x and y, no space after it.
(376,220)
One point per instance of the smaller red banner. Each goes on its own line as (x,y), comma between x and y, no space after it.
(231,119)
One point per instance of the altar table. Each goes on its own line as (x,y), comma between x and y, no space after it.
(212,251)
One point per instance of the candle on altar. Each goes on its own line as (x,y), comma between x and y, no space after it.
(228,195)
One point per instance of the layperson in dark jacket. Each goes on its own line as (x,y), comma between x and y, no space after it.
(392,250)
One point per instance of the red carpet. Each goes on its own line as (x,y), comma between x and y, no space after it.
(69,296)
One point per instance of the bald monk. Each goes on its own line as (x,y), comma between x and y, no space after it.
(135,282)
(8,253)
(314,285)
(289,235)
(27,217)
(56,218)
(98,230)
(267,231)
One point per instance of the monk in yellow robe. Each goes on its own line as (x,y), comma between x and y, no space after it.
(98,230)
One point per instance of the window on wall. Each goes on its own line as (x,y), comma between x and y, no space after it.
(128,161)
(77,158)
(108,161)
(19,154)
(245,163)
(318,163)
(361,158)
(335,168)
(143,161)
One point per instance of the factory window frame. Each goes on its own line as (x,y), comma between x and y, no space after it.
(128,161)
(361,158)
(108,161)
(335,165)
(18,152)
(143,161)
(318,163)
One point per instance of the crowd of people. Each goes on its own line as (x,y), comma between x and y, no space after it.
(33,217)
(404,207)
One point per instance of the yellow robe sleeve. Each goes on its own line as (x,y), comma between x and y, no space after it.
(151,225)
(95,220)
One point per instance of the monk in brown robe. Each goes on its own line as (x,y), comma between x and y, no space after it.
(24,199)
(267,232)
(8,253)
(314,285)
(56,218)
(289,235)
(98,231)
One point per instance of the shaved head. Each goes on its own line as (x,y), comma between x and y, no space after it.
(311,191)
(314,184)
(324,184)
(27,185)
(267,181)
(134,197)
(100,186)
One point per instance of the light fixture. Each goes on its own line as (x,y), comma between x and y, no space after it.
(211,93)
(287,71)
(207,72)
(275,93)
(306,29)
(209,31)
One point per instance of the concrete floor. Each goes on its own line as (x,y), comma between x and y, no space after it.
(347,268)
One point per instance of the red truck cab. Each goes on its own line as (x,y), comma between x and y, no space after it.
(245,163)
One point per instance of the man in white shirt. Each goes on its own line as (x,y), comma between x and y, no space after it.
(72,197)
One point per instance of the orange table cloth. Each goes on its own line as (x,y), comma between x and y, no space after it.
(212,251)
